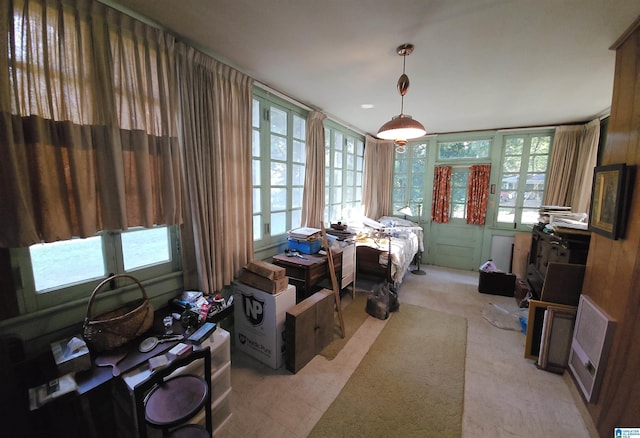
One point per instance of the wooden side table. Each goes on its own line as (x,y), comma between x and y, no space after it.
(305,273)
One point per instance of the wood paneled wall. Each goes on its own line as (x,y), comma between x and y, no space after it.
(612,277)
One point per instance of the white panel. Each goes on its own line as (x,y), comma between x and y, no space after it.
(590,347)
(501,251)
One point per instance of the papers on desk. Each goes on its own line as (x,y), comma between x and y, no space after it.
(43,394)
(305,233)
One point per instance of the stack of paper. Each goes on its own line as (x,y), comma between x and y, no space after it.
(305,233)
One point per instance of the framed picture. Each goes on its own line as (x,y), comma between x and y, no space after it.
(557,333)
(607,215)
(535,324)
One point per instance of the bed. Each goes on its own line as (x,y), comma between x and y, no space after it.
(386,248)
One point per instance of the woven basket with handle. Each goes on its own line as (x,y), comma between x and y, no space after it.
(117,327)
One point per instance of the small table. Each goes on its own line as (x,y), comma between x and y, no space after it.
(305,273)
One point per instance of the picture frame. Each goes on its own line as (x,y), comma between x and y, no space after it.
(607,213)
(557,334)
(535,324)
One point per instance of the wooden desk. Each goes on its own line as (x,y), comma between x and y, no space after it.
(305,274)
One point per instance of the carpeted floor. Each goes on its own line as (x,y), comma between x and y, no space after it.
(353,316)
(410,383)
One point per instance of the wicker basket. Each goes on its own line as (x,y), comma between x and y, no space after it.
(119,326)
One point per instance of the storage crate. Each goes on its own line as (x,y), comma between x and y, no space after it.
(497,283)
(304,246)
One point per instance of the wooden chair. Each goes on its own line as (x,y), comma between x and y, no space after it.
(168,402)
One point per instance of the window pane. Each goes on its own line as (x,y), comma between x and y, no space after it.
(255,144)
(507,215)
(255,117)
(278,121)
(514,146)
(458,211)
(257,228)
(530,216)
(512,164)
(296,197)
(338,141)
(278,199)
(145,247)
(464,149)
(337,177)
(278,174)
(538,163)
(278,223)
(299,127)
(298,174)
(298,152)
(296,219)
(278,148)
(255,173)
(66,262)
(540,145)
(337,160)
(257,200)
(337,195)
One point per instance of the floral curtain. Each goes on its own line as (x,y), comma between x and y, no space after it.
(441,202)
(88,135)
(478,193)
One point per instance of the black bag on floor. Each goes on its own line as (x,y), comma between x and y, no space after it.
(382,300)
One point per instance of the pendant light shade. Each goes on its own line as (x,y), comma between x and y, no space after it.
(402,127)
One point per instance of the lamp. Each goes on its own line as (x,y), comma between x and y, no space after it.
(402,127)
(406,210)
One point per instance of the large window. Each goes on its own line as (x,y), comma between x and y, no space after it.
(279,131)
(524,173)
(409,179)
(58,272)
(344,154)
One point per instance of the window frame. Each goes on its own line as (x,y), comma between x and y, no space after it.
(264,185)
(351,147)
(404,189)
(30,300)
(521,189)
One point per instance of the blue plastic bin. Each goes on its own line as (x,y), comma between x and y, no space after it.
(304,246)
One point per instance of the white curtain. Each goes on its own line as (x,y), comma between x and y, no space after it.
(88,135)
(586,162)
(216,139)
(377,177)
(314,181)
(573,158)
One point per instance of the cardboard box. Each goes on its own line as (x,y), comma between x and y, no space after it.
(263,283)
(69,361)
(265,269)
(259,322)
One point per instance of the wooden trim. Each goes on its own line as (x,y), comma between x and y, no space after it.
(627,33)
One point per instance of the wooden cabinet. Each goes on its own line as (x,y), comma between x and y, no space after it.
(309,327)
(348,265)
(305,273)
(570,247)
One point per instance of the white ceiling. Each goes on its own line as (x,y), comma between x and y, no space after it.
(477,64)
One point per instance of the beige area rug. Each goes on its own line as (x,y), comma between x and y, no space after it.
(353,315)
(409,384)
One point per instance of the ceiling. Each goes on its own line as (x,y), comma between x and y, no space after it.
(477,64)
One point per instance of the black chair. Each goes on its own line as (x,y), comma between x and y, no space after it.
(168,402)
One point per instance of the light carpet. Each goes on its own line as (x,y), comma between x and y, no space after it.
(353,315)
(409,384)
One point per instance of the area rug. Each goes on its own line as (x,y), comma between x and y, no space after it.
(353,315)
(409,384)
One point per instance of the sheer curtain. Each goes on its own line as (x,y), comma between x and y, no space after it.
(216,137)
(441,202)
(88,134)
(478,193)
(314,182)
(574,155)
(377,177)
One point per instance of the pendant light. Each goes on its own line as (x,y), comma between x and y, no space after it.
(402,127)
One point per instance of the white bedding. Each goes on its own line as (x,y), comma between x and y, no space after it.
(406,240)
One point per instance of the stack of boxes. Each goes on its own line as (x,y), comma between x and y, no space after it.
(261,298)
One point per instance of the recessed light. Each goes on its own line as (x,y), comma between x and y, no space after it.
(366,106)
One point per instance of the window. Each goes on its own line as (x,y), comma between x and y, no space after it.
(278,150)
(459,185)
(468,149)
(344,156)
(58,272)
(409,179)
(522,182)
